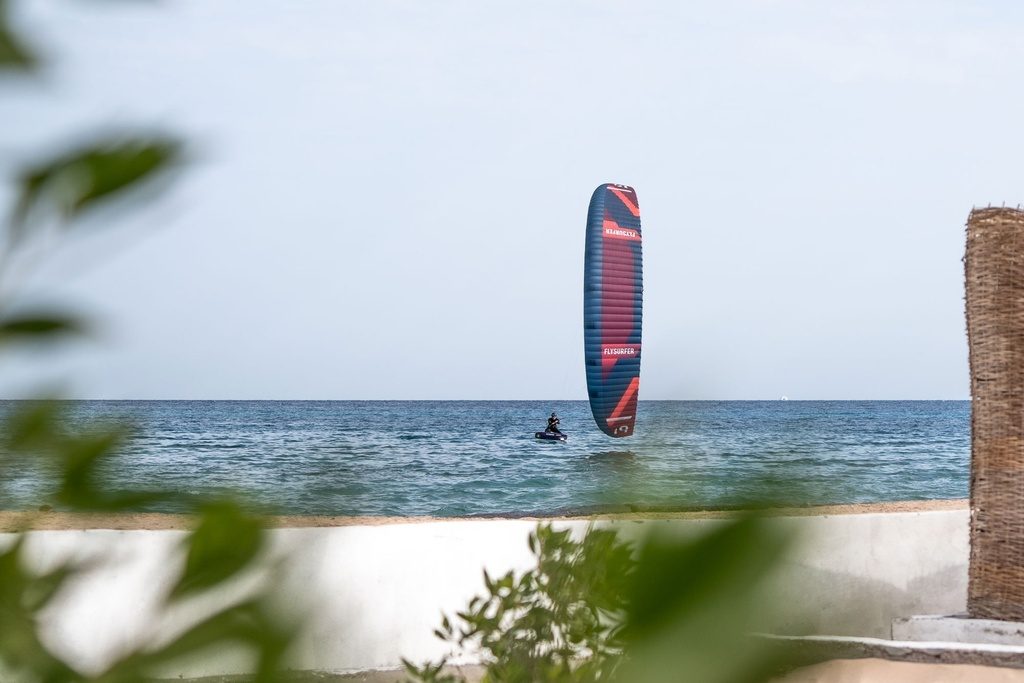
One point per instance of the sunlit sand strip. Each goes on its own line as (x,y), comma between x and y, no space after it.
(14,520)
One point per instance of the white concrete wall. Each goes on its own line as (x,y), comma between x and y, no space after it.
(856,573)
(373,594)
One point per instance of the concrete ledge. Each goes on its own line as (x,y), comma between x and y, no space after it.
(958,629)
(883,671)
(811,649)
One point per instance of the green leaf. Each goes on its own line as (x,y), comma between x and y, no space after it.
(32,426)
(72,182)
(21,594)
(225,542)
(44,587)
(674,578)
(14,53)
(37,327)
(692,604)
(80,483)
(248,623)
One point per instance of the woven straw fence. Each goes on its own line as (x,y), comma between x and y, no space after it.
(994,268)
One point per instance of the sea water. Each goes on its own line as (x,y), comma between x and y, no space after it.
(455,458)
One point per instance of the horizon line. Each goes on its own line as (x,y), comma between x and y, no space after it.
(490,400)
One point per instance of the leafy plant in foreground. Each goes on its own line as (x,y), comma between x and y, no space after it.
(600,609)
(556,622)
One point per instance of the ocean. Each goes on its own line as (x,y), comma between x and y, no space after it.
(465,458)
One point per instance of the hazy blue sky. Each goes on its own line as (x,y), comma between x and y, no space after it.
(388,198)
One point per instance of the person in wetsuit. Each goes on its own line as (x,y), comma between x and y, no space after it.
(553,425)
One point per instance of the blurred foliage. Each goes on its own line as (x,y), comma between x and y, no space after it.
(598,609)
(226,544)
(91,173)
(35,433)
(226,541)
(14,52)
(39,326)
(694,603)
(251,624)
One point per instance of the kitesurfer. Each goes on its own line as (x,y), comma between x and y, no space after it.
(553,424)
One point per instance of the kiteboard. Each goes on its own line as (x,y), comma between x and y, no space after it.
(547,436)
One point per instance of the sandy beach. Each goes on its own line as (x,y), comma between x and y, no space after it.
(17,520)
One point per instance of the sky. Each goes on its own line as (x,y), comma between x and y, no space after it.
(387,200)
